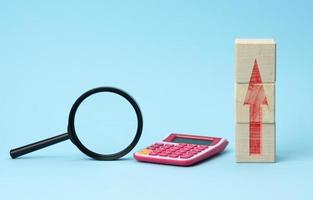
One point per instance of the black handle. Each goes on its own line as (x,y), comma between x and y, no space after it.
(38,145)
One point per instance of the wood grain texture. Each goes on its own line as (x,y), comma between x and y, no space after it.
(243,110)
(262,50)
(268,148)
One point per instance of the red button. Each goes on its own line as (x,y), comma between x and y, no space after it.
(174,156)
(185,156)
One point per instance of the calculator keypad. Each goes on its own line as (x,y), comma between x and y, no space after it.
(183,151)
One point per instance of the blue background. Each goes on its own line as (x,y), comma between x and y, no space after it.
(177,59)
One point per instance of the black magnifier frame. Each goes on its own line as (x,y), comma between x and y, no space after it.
(71,132)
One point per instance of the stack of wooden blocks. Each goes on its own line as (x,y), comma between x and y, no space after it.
(255,100)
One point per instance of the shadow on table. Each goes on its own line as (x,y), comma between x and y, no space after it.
(65,157)
(294,153)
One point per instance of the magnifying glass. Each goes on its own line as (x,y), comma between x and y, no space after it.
(96,118)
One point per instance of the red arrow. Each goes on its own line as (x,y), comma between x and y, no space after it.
(255,97)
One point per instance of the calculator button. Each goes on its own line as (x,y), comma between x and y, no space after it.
(157,149)
(163,154)
(200,150)
(174,156)
(185,156)
(171,150)
(194,151)
(153,154)
(145,152)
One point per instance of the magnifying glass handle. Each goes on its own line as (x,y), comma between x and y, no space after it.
(38,145)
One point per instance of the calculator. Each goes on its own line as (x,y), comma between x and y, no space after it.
(182,150)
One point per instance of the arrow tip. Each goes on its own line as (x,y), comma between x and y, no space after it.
(255,94)
(255,75)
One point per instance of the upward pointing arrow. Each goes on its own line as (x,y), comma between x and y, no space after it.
(255,97)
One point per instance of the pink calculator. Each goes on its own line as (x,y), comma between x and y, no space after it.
(182,149)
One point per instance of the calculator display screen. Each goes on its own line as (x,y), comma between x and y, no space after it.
(192,141)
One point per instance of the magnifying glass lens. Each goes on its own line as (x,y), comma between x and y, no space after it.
(105,123)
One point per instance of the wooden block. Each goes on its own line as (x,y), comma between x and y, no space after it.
(263,51)
(243,144)
(244,110)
